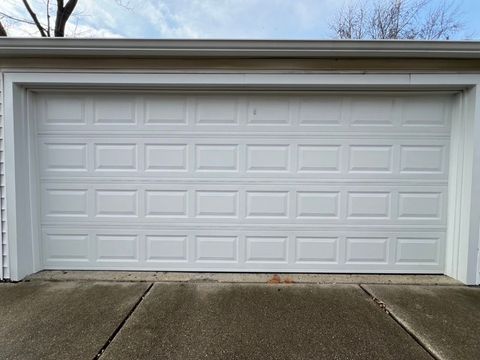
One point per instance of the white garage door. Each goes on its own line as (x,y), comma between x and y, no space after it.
(336,182)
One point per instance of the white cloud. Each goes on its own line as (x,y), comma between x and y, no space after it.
(165,22)
(184,18)
(235,18)
(87,31)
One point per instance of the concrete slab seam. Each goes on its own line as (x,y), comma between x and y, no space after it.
(122,323)
(385,309)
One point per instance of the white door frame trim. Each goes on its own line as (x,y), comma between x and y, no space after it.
(463,233)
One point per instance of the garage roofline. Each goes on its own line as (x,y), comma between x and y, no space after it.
(67,47)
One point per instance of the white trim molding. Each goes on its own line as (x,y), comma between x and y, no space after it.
(464,177)
(240,48)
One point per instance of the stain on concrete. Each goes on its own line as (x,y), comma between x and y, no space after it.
(270,321)
(277,279)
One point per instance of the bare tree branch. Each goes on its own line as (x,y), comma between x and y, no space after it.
(63,14)
(442,22)
(124,4)
(6,16)
(35,19)
(351,21)
(48,17)
(3,32)
(51,25)
(397,19)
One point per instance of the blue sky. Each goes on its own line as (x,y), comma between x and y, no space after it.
(230,19)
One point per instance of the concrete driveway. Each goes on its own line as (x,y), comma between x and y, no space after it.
(280,318)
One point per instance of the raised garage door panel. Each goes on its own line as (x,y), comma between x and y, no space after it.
(322,182)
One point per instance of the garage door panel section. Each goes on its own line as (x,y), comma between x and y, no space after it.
(347,205)
(337,182)
(311,157)
(301,113)
(249,250)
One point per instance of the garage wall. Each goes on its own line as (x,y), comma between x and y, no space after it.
(4,250)
(4,272)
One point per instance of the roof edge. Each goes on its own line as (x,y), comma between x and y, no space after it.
(67,47)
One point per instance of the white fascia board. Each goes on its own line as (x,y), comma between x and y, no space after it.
(239,48)
(243,80)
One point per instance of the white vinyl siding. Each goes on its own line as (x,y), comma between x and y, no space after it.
(4,272)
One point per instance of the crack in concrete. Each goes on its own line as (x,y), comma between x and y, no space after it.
(412,335)
(122,323)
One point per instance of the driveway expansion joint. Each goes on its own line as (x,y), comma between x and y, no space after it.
(385,309)
(122,323)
